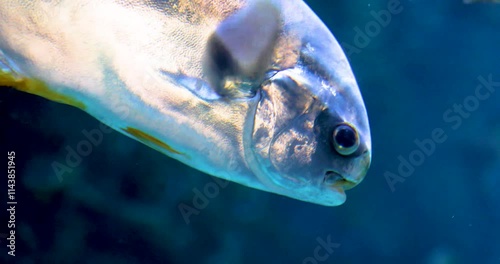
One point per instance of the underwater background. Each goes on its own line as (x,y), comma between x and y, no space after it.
(432,194)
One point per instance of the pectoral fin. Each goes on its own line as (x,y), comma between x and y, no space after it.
(239,52)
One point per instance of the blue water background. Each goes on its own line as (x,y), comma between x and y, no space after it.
(120,205)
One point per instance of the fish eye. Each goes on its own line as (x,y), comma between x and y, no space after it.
(345,139)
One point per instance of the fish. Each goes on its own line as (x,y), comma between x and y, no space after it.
(257,92)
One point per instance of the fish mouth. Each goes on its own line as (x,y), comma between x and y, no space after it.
(335,180)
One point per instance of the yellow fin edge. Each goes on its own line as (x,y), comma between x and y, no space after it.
(37,87)
(146,139)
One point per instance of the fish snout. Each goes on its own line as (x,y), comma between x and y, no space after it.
(351,175)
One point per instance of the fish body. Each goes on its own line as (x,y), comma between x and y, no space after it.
(252,91)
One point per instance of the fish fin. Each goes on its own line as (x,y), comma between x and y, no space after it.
(152,141)
(37,87)
(9,77)
(197,86)
(240,50)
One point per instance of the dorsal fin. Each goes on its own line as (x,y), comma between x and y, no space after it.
(239,52)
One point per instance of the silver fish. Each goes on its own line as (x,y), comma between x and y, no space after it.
(252,91)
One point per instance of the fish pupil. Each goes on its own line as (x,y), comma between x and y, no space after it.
(345,137)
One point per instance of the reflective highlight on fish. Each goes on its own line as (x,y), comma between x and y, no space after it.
(252,91)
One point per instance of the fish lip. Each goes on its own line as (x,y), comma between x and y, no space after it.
(334,179)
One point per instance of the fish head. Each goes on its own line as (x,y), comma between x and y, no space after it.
(311,137)
(311,140)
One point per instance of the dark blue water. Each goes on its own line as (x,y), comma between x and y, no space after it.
(431,196)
